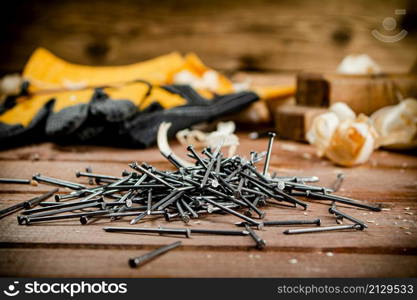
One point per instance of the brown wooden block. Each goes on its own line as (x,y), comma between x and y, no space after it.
(363,93)
(293,121)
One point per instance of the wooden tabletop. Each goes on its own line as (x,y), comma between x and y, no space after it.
(67,248)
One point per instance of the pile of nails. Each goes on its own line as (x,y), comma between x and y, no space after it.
(214,184)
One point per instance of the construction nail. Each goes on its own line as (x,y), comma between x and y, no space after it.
(99,176)
(154,206)
(140,260)
(186,232)
(260,243)
(185,218)
(136,167)
(316,222)
(207,173)
(170,216)
(190,210)
(216,231)
(149,202)
(26,204)
(84,219)
(231,211)
(15,180)
(48,203)
(190,148)
(322,229)
(35,201)
(335,211)
(207,153)
(341,199)
(71,195)
(55,207)
(72,185)
(66,209)
(268,153)
(29,219)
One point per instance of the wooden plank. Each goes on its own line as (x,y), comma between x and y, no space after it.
(387,248)
(397,172)
(183,262)
(237,35)
(392,231)
(284,152)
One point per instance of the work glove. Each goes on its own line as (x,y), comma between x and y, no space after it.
(70,103)
(130,114)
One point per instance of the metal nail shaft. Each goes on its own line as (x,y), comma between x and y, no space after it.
(140,260)
(15,180)
(284,223)
(260,243)
(26,204)
(334,210)
(268,153)
(322,229)
(183,231)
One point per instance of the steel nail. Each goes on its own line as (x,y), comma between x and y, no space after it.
(260,243)
(322,229)
(29,219)
(316,222)
(72,185)
(140,260)
(335,211)
(182,231)
(26,204)
(268,153)
(15,181)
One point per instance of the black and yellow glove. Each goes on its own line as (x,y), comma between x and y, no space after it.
(71,103)
(130,114)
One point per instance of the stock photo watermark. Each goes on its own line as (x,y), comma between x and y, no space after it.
(391,34)
(72,289)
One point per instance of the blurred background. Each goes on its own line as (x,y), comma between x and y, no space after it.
(230,36)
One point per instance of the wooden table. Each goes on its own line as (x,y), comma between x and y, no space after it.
(66,248)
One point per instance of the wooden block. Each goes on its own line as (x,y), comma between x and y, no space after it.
(293,121)
(363,93)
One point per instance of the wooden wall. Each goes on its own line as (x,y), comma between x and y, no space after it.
(236,35)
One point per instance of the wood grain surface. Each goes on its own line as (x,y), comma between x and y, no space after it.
(66,248)
(250,35)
